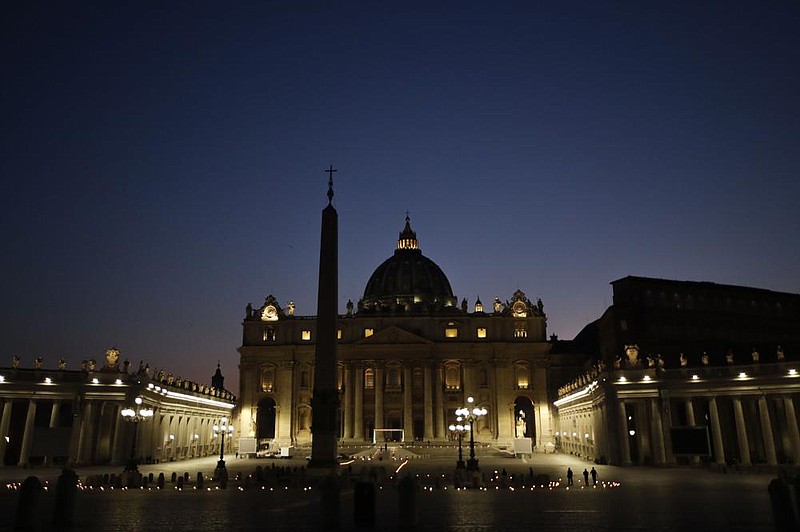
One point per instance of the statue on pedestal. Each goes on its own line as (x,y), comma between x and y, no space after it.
(521,425)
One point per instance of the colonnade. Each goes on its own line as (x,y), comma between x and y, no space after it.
(99,433)
(763,428)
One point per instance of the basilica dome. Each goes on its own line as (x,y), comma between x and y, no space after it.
(408,281)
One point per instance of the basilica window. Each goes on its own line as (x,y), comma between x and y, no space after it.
(269,334)
(520,330)
(368,332)
(523,376)
(268,379)
(393,377)
(418,378)
(338,334)
(305,335)
(481,332)
(451,331)
(452,377)
(369,379)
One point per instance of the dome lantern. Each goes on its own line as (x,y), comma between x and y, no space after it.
(408,238)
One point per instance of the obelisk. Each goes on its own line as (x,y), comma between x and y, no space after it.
(325,400)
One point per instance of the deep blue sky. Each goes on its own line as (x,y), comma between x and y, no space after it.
(162,162)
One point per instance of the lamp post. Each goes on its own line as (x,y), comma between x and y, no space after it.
(222,429)
(135,415)
(458,430)
(470,413)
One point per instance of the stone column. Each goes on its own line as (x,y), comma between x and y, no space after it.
(690,412)
(408,415)
(379,397)
(766,431)
(428,390)
(716,429)
(358,404)
(690,420)
(659,456)
(154,440)
(441,415)
(791,422)
(741,431)
(4,424)
(624,437)
(347,411)
(27,437)
(640,422)
(118,450)
(54,411)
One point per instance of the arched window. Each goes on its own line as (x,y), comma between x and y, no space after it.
(369,379)
(268,379)
(523,376)
(418,378)
(452,376)
(393,377)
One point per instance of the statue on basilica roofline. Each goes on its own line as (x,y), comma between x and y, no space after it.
(498,305)
(683,361)
(15,362)
(632,352)
(779,353)
(704,359)
(112,358)
(464,305)
(248,311)
(290,307)
(38,363)
(349,308)
(756,356)
(62,363)
(729,357)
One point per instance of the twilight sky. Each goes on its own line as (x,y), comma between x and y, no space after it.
(161,163)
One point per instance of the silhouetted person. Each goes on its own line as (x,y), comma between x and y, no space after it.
(594,477)
(585,477)
(569,476)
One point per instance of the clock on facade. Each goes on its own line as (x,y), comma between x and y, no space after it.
(270,313)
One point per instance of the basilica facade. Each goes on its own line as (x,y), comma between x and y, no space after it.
(409,356)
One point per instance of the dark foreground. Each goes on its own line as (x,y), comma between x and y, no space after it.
(645,499)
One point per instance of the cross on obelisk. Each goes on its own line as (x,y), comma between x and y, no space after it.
(330,172)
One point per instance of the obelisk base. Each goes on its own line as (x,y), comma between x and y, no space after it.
(324,430)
